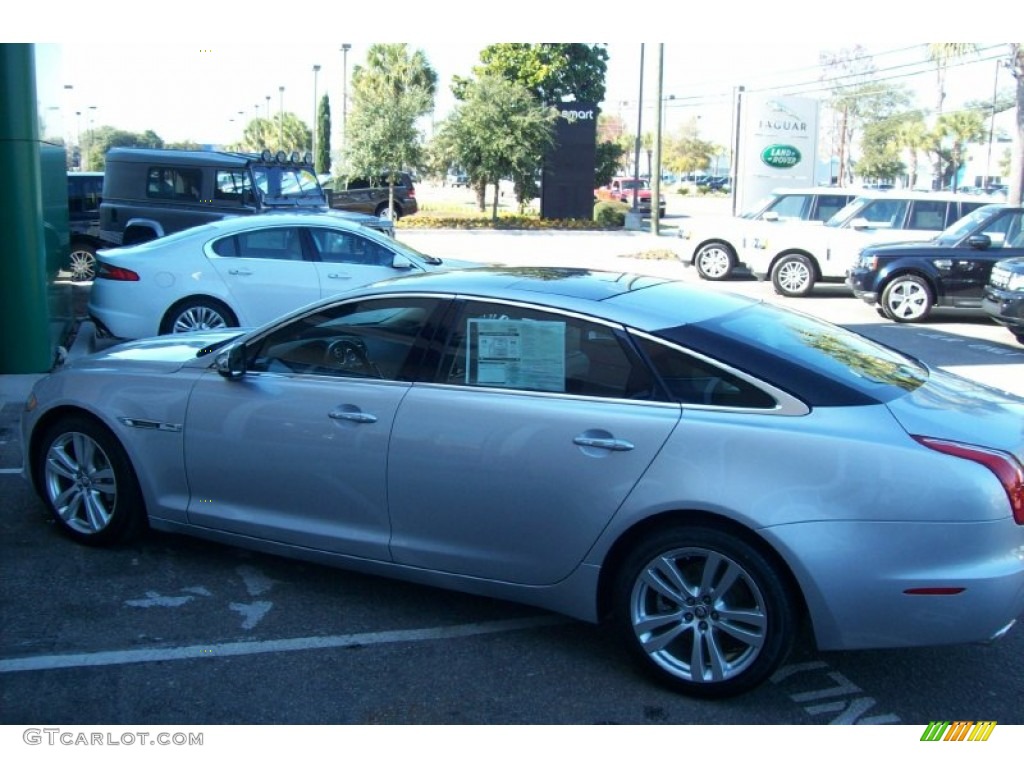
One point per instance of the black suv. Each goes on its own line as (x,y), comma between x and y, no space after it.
(371,196)
(908,280)
(1003,301)
(148,193)
(85,189)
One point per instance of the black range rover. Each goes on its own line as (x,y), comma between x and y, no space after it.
(907,280)
(1004,296)
(149,193)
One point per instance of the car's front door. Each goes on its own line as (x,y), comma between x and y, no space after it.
(511,465)
(346,260)
(970,268)
(267,272)
(295,450)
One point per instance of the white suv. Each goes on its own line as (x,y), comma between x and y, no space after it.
(712,243)
(799,255)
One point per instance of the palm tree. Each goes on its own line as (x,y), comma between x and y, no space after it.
(912,137)
(963,128)
(941,54)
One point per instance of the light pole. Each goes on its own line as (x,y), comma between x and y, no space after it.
(345,48)
(280,119)
(92,136)
(66,122)
(992,127)
(316,71)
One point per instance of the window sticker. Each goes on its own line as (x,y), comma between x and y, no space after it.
(525,354)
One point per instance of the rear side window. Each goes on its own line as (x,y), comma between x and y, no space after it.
(929,214)
(182,184)
(885,213)
(692,381)
(791,207)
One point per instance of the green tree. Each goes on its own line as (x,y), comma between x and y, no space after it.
(281,132)
(323,134)
(911,138)
(685,152)
(953,132)
(881,151)
(106,137)
(499,130)
(553,72)
(609,156)
(391,92)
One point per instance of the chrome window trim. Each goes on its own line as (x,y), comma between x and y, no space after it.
(785,403)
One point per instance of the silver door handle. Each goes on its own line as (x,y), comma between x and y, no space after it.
(336,276)
(608,443)
(357,416)
(239,272)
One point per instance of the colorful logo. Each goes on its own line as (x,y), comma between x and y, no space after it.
(780,156)
(959,730)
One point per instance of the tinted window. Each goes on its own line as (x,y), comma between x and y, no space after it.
(366,339)
(281,243)
(887,212)
(181,184)
(928,214)
(341,247)
(497,345)
(693,381)
(231,186)
(820,363)
(829,206)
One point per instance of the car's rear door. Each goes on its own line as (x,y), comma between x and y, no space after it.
(514,461)
(266,270)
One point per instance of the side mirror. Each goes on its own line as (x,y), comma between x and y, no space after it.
(862,223)
(770,216)
(980,242)
(231,362)
(401,262)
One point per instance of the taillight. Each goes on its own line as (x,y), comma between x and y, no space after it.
(411,192)
(108,272)
(1003,466)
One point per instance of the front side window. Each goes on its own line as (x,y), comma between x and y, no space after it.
(341,247)
(373,338)
(512,347)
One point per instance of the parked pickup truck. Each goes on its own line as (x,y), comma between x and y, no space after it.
(621,190)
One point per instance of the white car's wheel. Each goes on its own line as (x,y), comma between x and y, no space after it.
(907,299)
(705,611)
(197,315)
(793,275)
(715,261)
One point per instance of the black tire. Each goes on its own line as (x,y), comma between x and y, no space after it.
(197,315)
(88,483)
(668,610)
(82,262)
(715,261)
(794,275)
(907,299)
(382,212)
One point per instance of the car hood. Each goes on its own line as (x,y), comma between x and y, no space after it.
(903,247)
(951,407)
(166,353)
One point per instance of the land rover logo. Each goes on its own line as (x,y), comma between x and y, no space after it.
(780,156)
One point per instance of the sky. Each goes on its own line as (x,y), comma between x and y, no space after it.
(201,72)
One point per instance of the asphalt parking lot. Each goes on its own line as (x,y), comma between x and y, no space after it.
(174,630)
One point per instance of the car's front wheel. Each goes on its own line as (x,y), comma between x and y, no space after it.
(793,275)
(907,299)
(82,263)
(88,482)
(715,261)
(197,315)
(704,610)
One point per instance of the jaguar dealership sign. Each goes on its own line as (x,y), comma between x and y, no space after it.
(777,145)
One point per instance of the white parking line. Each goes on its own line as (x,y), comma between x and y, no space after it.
(113,658)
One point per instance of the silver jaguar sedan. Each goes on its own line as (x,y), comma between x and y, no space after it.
(703,471)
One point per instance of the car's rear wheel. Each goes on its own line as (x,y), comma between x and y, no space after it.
(82,263)
(88,482)
(384,212)
(704,611)
(793,275)
(907,299)
(715,261)
(197,315)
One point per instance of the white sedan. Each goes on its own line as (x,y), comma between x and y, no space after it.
(243,271)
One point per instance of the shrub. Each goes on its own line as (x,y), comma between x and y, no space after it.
(610,214)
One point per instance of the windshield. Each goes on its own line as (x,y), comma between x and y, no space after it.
(289,185)
(961,228)
(634,184)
